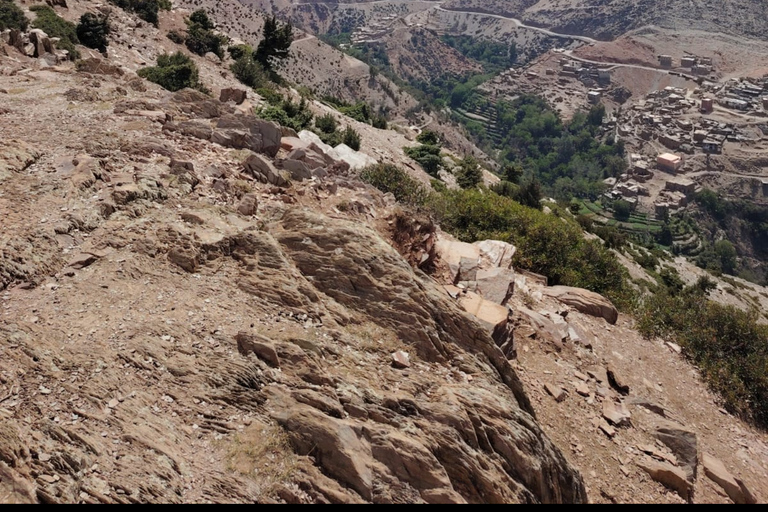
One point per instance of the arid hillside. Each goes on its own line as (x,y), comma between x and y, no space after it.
(608,19)
(201,306)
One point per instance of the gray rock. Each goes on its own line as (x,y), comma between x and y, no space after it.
(263,170)
(682,442)
(248,205)
(298,169)
(232,94)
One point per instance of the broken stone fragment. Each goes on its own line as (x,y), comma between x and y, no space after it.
(400,359)
(734,488)
(669,476)
(557,392)
(259,345)
(617,414)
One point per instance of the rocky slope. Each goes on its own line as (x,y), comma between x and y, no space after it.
(176,330)
(194,308)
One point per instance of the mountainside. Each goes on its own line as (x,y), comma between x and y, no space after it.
(608,19)
(201,305)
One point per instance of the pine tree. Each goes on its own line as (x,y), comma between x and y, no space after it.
(275,44)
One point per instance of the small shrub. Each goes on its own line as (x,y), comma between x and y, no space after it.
(240,50)
(427,156)
(428,137)
(249,72)
(173,72)
(379,121)
(390,178)
(145,9)
(469,174)
(293,115)
(55,26)
(326,123)
(177,37)
(351,138)
(92,31)
(11,16)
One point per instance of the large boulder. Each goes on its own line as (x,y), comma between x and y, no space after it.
(452,253)
(356,159)
(496,284)
(587,302)
(495,254)
(298,169)
(41,41)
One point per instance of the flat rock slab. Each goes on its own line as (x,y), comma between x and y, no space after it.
(589,303)
(734,488)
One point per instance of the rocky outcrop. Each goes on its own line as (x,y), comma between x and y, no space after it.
(354,267)
(587,302)
(16,156)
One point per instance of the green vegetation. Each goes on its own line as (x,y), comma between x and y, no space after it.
(92,31)
(351,138)
(469,175)
(275,44)
(727,344)
(147,10)
(741,220)
(326,123)
(492,55)
(622,210)
(392,179)
(201,37)
(287,113)
(240,50)
(359,111)
(55,26)
(248,71)
(11,16)
(427,156)
(174,72)
(176,36)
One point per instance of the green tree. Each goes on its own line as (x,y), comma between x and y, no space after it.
(11,16)
(512,172)
(92,31)
(621,210)
(201,38)
(726,253)
(529,194)
(596,115)
(275,44)
(201,19)
(469,174)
